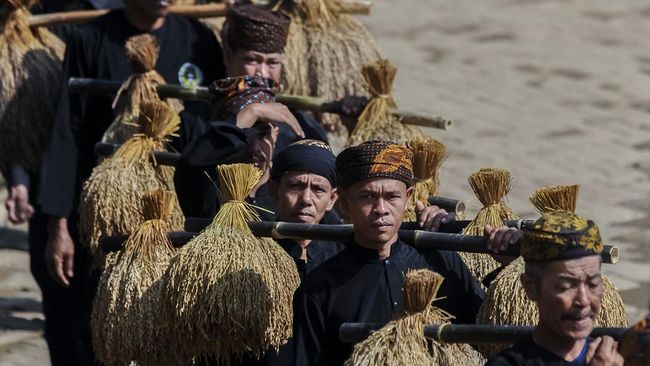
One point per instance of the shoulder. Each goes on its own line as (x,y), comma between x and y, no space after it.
(330,272)
(194,27)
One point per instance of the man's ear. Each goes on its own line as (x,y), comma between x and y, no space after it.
(529,287)
(273,188)
(333,197)
(409,191)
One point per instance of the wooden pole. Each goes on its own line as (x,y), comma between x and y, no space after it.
(464,333)
(312,104)
(361,7)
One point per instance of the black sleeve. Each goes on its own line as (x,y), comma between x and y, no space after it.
(310,336)
(312,128)
(15,175)
(463,294)
(59,169)
(211,53)
(195,176)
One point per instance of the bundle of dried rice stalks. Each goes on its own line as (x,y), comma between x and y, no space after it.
(490,185)
(336,45)
(428,155)
(111,199)
(402,341)
(229,293)
(127,305)
(506,301)
(142,54)
(377,122)
(31,61)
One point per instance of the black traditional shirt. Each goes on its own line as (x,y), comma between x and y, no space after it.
(529,353)
(96,50)
(357,286)
(222,142)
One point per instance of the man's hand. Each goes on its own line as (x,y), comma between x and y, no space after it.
(602,352)
(59,252)
(274,113)
(352,106)
(499,239)
(430,217)
(18,208)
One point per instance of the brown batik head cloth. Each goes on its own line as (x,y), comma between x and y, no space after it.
(374,159)
(561,235)
(231,95)
(251,27)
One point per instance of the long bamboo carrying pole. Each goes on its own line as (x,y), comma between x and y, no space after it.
(313,104)
(344,233)
(463,333)
(361,7)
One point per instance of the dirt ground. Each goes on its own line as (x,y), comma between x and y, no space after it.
(557,92)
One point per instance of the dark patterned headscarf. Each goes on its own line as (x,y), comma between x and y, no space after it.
(231,95)
(251,27)
(312,156)
(374,159)
(561,235)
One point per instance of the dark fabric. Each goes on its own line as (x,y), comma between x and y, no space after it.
(356,286)
(312,156)
(374,159)
(251,27)
(528,353)
(318,252)
(233,94)
(16,175)
(561,235)
(97,51)
(206,145)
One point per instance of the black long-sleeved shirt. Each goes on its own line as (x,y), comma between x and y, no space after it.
(222,142)
(357,286)
(529,353)
(96,50)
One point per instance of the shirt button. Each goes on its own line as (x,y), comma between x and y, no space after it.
(394,303)
(387,261)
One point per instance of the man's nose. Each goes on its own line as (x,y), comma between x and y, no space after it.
(582,296)
(305,197)
(263,70)
(380,208)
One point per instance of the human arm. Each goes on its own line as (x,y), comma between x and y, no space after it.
(429,218)
(17,202)
(311,341)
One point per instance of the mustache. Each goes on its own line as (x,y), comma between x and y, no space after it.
(579,315)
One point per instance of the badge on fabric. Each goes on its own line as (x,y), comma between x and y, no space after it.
(190,75)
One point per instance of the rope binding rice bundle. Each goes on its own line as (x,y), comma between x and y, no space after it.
(31,61)
(111,198)
(337,46)
(127,305)
(428,156)
(506,301)
(491,185)
(377,121)
(402,341)
(227,292)
(142,55)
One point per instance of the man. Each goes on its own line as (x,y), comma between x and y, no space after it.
(364,282)
(96,50)
(562,276)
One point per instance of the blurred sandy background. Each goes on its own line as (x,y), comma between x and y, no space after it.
(557,92)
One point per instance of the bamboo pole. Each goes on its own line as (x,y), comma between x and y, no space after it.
(344,233)
(361,7)
(464,333)
(313,104)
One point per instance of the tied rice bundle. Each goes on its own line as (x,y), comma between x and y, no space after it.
(336,45)
(402,341)
(111,198)
(127,305)
(377,122)
(229,293)
(428,155)
(490,185)
(31,60)
(142,54)
(506,301)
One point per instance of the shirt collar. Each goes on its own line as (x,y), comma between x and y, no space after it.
(372,255)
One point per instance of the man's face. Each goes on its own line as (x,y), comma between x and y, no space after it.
(568,294)
(260,149)
(252,63)
(304,197)
(376,207)
(152,8)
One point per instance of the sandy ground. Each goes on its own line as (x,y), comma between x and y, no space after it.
(557,92)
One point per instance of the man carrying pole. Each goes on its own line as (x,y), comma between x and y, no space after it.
(563,277)
(364,282)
